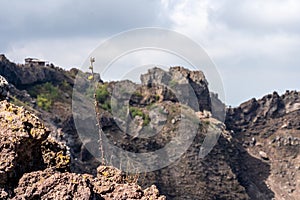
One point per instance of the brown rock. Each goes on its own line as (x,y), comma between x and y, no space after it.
(21,135)
(49,184)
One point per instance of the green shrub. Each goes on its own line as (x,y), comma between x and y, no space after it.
(135,112)
(138,112)
(102,96)
(46,94)
(106,105)
(47,88)
(44,102)
(65,86)
(146,119)
(102,93)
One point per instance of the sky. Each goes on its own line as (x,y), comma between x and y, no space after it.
(254,44)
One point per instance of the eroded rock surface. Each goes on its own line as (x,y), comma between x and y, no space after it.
(21,135)
(35,166)
(186,84)
(269,130)
(257,157)
(110,183)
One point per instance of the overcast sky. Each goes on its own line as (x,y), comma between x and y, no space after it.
(255,44)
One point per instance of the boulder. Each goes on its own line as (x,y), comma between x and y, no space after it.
(49,184)
(21,135)
(110,183)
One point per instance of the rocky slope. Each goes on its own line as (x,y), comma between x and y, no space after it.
(256,155)
(22,76)
(269,130)
(33,166)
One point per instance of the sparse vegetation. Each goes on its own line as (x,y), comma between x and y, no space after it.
(146,119)
(44,102)
(20,103)
(65,86)
(102,96)
(138,112)
(46,94)
(102,93)
(135,112)
(46,88)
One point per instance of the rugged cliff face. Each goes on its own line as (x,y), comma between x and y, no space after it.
(256,155)
(269,130)
(156,115)
(187,84)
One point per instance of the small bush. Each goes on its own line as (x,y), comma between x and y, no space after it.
(46,94)
(47,88)
(44,102)
(146,119)
(135,112)
(65,86)
(138,112)
(106,105)
(102,93)
(102,96)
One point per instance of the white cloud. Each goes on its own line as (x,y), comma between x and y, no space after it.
(65,32)
(254,43)
(63,52)
(244,38)
(268,15)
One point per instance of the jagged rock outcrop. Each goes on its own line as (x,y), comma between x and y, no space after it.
(185,84)
(25,147)
(55,154)
(110,183)
(271,106)
(132,132)
(21,135)
(49,184)
(269,129)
